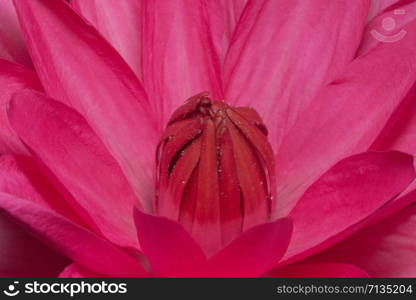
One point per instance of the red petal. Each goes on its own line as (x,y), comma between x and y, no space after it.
(13,78)
(400,131)
(21,176)
(86,174)
(179,55)
(254,252)
(385,249)
(170,202)
(173,140)
(23,255)
(252,181)
(12,44)
(94,80)
(169,248)
(336,124)
(206,227)
(283,52)
(232,211)
(73,241)
(259,141)
(119,22)
(338,203)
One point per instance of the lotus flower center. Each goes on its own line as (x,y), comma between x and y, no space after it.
(215,171)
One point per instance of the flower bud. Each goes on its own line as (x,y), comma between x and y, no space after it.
(215,171)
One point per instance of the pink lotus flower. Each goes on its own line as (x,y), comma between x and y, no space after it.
(86,107)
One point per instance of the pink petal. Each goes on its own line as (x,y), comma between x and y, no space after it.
(24,256)
(254,252)
(385,249)
(170,249)
(222,19)
(92,181)
(77,271)
(13,78)
(119,22)
(345,117)
(377,6)
(69,239)
(12,45)
(93,79)
(22,177)
(400,130)
(322,270)
(397,14)
(179,54)
(234,10)
(349,193)
(404,199)
(399,134)
(283,52)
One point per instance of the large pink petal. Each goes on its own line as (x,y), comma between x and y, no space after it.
(377,6)
(120,23)
(400,134)
(319,270)
(24,256)
(77,66)
(346,116)
(406,198)
(179,54)
(222,19)
(21,176)
(254,252)
(71,240)
(12,45)
(349,193)
(170,249)
(282,52)
(94,183)
(400,130)
(385,249)
(234,8)
(13,78)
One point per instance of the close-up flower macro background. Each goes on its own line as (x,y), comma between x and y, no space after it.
(207,138)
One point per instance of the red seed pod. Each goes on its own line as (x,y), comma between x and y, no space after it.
(215,171)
